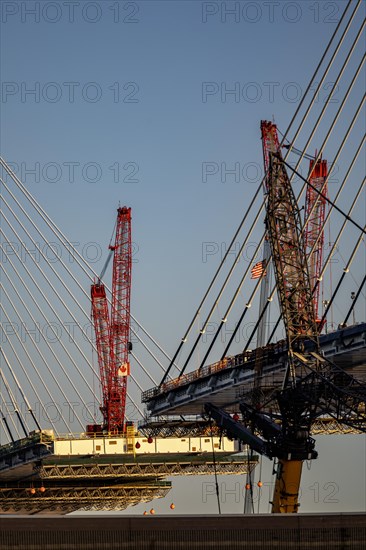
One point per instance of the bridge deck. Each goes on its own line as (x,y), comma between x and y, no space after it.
(225,383)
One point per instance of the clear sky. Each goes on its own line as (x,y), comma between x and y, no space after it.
(135,102)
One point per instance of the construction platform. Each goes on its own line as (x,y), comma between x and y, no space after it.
(47,474)
(285,532)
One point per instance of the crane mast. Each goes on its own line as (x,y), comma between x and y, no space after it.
(315,204)
(113,333)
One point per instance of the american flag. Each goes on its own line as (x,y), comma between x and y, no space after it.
(258,269)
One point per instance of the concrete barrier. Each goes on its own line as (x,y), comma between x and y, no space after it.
(300,531)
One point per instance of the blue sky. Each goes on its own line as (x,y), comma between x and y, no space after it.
(177,63)
(132,99)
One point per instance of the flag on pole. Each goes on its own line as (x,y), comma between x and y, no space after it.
(258,269)
(124,369)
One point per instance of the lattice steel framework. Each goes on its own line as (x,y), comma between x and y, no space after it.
(100,318)
(69,499)
(315,204)
(144,470)
(113,335)
(292,276)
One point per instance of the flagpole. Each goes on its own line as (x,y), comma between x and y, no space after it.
(261,341)
(263,325)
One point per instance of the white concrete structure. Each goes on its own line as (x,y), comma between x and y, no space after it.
(83,445)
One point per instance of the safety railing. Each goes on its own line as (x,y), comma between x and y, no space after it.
(265,355)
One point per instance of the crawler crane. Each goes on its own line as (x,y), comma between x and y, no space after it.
(113,332)
(313,386)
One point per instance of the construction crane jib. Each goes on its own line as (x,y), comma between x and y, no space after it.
(284,228)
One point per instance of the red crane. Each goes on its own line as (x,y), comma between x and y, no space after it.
(314,206)
(113,332)
(314,230)
(270,144)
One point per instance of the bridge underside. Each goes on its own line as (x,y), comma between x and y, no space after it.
(65,499)
(226,387)
(61,485)
(179,427)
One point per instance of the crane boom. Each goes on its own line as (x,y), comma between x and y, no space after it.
(100,319)
(113,333)
(270,145)
(314,205)
(314,231)
(120,316)
(289,257)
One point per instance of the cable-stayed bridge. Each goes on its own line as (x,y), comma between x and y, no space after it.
(49,378)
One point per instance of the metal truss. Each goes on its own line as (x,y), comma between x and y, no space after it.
(68,499)
(178,428)
(330,426)
(148,470)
